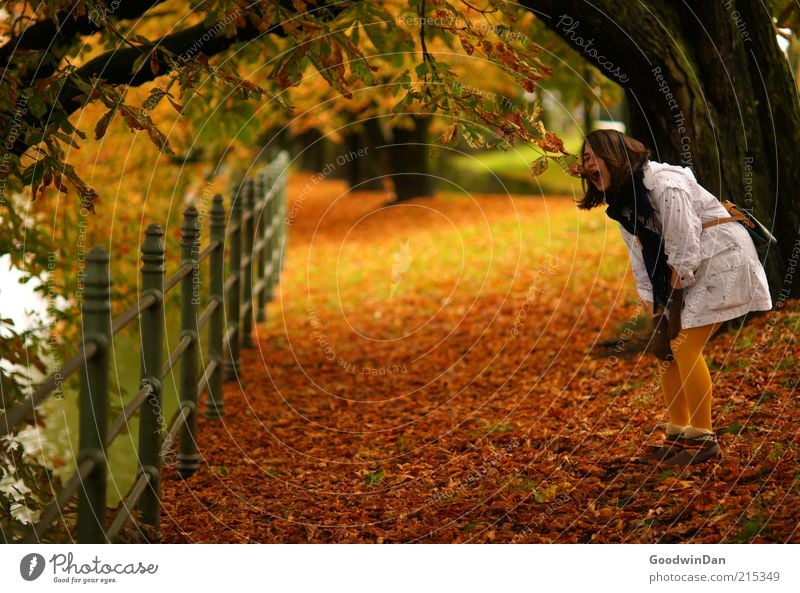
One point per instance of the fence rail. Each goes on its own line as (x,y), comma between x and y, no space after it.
(255,236)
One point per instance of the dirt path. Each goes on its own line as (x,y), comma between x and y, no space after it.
(426,375)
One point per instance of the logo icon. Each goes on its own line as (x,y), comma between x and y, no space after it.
(31,566)
(402,261)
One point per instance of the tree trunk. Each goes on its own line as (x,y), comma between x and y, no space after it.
(408,158)
(364,173)
(310,150)
(707,87)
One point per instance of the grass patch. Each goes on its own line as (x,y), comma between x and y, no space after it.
(767,396)
(502,428)
(751,528)
(777,451)
(546,495)
(525,486)
(636,324)
(374,478)
(734,428)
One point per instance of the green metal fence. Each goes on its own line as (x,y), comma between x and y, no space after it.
(255,236)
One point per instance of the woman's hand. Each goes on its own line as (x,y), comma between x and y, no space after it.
(674,307)
(675,280)
(659,340)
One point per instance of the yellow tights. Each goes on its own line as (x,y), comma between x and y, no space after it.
(686,382)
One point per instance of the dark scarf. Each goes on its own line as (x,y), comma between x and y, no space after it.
(631,207)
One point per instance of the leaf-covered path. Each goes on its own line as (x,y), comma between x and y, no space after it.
(431,372)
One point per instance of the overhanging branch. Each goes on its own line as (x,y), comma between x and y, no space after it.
(117,67)
(56,36)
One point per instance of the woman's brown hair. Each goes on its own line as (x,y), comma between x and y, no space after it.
(622,155)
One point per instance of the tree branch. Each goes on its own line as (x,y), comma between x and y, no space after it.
(116,67)
(57,35)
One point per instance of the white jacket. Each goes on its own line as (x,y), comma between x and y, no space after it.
(718,266)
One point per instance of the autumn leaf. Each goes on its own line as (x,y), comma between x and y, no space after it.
(449,135)
(552,143)
(102,124)
(575,169)
(539,166)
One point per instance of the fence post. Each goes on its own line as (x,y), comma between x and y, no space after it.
(284,174)
(214,402)
(189,457)
(261,264)
(235,294)
(150,424)
(96,313)
(247,287)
